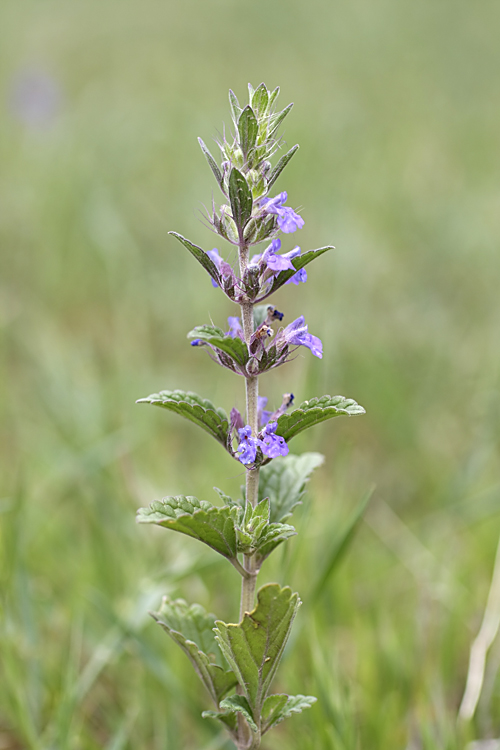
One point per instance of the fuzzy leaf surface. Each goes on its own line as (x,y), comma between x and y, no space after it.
(233,705)
(240,197)
(300,262)
(276,708)
(247,130)
(280,166)
(254,647)
(192,628)
(315,411)
(284,480)
(234,347)
(212,164)
(191,406)
(201,256)
(201,520)
(260,100)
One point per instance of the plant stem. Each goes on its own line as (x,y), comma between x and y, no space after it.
(248,583)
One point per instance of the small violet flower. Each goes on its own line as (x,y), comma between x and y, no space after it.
(276,262)
(217,260)
(235,329)
(296,334)
(288,220)
(272,445)
(263,414)
(247,449)
(301,275)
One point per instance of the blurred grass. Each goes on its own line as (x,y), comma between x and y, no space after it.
(397,114)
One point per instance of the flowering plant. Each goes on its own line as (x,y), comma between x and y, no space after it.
(237,662)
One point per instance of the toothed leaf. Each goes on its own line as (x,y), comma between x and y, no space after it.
(283,481)
(315,411)
(192,628)
(201,520)
(233,705)
(191,406)
(254,647)
(276,708)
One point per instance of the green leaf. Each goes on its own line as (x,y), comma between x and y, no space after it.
(260,100)
(254,647)
(280,166)
(315,411)
(200,255)
(340,544)
(201,520)
(276,708)
(298,263)
(213,165)
(276,120)
(240,197)
(284,480)
(247,129)
(191,406)
(230,719)
(234,347)
(192,628)
(235,107)
(272,536)
(273,96)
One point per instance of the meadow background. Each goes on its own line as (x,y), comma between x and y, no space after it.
(397,112)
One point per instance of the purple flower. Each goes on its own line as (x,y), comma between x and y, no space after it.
(301,275)
(263,415)
(288,220)
(296,334)
(272,445)
(197,342)
(235,329)
(247,449)
(217,260)
(276,262)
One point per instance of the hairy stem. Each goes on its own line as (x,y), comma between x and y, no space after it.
(248,583)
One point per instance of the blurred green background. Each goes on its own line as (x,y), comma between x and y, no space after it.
(397,112)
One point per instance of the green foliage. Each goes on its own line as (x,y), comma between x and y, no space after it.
(315,411)
(259,100)
(233,705)
(202,412)
(247,130)
(280,166)
(283,481)
(240,197)
(192,628)
(256,534)
(254,647)
(278,707)
(213,166)
(201,256)
(208,523)
(299,262)
(234,347)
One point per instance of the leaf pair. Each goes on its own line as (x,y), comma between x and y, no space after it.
(253,649)
(228,530)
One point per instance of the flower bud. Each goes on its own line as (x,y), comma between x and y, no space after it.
(256,183)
